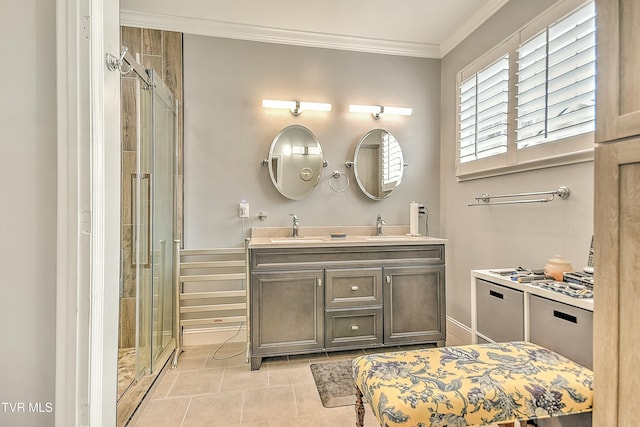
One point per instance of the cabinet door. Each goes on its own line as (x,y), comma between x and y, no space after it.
(414,304)
(617,279)
(618,69)
(286,312)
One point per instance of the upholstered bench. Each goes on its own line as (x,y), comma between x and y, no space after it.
(470,385)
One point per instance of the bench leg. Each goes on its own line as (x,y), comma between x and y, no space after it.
(359,408)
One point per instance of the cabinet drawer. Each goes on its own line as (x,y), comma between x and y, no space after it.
(349,328)
(353,287)
(562,328)
(500,312)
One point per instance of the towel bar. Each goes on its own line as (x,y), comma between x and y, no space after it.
(485,199)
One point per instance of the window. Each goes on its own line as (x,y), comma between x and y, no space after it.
(484,100)
(556,81)
(530,102)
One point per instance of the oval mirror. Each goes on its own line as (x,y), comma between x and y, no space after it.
(378,164)
(295,162)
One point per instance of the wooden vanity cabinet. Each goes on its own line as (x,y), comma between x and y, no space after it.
(306,300)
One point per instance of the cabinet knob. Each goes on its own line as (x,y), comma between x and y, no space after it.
(388,279)
(354,288)
(354,327)
(319,282)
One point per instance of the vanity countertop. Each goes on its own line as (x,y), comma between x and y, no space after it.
(392,235)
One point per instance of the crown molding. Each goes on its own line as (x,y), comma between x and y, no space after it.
(470,26)
(213,28)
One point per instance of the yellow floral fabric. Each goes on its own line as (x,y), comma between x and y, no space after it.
(472,385)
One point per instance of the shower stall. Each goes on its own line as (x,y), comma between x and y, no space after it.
(149,228)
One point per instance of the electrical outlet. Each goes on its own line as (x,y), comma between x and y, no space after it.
(243,210)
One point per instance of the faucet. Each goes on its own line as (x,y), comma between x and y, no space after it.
(296,223)
(379,223)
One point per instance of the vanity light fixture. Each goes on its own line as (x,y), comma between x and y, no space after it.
(377,111)
(296,107)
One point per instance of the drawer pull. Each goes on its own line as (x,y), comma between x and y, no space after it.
(354,327)
(354,288)
(496,294)
(565,316)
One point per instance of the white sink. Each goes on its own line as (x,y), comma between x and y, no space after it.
(297,240)
(388,238)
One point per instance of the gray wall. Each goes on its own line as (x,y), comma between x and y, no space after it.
(514,235)
(228,133)
(28,215)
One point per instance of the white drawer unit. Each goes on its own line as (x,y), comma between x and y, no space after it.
(553,325)
(495,304)
(506,310)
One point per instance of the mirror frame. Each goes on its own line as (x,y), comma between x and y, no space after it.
(309,172)
(382,193)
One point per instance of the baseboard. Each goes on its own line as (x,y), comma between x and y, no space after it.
(218,335)
(457,333)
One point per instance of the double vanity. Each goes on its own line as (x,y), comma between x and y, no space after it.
(317,289)
(314,292)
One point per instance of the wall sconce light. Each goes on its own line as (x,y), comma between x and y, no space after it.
(296,107)
(377,111)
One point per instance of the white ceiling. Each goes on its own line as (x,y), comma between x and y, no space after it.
(424,28)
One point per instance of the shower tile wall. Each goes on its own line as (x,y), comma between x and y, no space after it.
(162,51)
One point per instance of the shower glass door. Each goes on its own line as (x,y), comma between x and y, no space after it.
(155,220)
(164,218)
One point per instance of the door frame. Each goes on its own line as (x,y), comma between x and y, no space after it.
(88,212)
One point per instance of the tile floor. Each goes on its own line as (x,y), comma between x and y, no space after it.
(203,391)
(126,369)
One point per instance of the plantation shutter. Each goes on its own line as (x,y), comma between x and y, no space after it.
(484,103)
(556,81)
(467,136)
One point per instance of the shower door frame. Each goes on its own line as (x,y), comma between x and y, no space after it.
(88,212)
